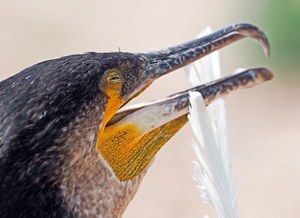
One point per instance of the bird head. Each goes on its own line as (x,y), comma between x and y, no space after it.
(129,142)
(59,116)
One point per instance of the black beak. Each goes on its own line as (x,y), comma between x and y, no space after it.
(165,61)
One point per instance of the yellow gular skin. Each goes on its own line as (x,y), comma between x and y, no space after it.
(111,84)
(113,105)
(128,150)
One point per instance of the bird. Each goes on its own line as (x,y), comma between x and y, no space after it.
(69,147)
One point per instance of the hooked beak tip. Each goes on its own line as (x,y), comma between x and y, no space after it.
(165,61)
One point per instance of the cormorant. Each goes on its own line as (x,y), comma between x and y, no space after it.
(66,151)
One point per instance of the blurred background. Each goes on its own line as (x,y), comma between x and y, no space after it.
(263,122)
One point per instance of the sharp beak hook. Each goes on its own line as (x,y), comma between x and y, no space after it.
(165,61)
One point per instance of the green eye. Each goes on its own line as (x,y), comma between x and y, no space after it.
(114,77)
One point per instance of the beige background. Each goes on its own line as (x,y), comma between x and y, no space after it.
(263,122)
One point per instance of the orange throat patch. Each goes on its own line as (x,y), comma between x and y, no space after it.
(128,150)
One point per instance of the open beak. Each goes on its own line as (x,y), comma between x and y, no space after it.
(162,62)
(135,134)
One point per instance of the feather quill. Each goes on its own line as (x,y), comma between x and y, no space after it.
(213,170)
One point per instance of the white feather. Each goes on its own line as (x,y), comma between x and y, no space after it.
(213,170)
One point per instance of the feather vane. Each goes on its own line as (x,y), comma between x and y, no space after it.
(213,170)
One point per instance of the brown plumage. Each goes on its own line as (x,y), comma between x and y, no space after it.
(53,115)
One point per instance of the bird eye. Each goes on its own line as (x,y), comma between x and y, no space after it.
(114,77)
(111,81)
